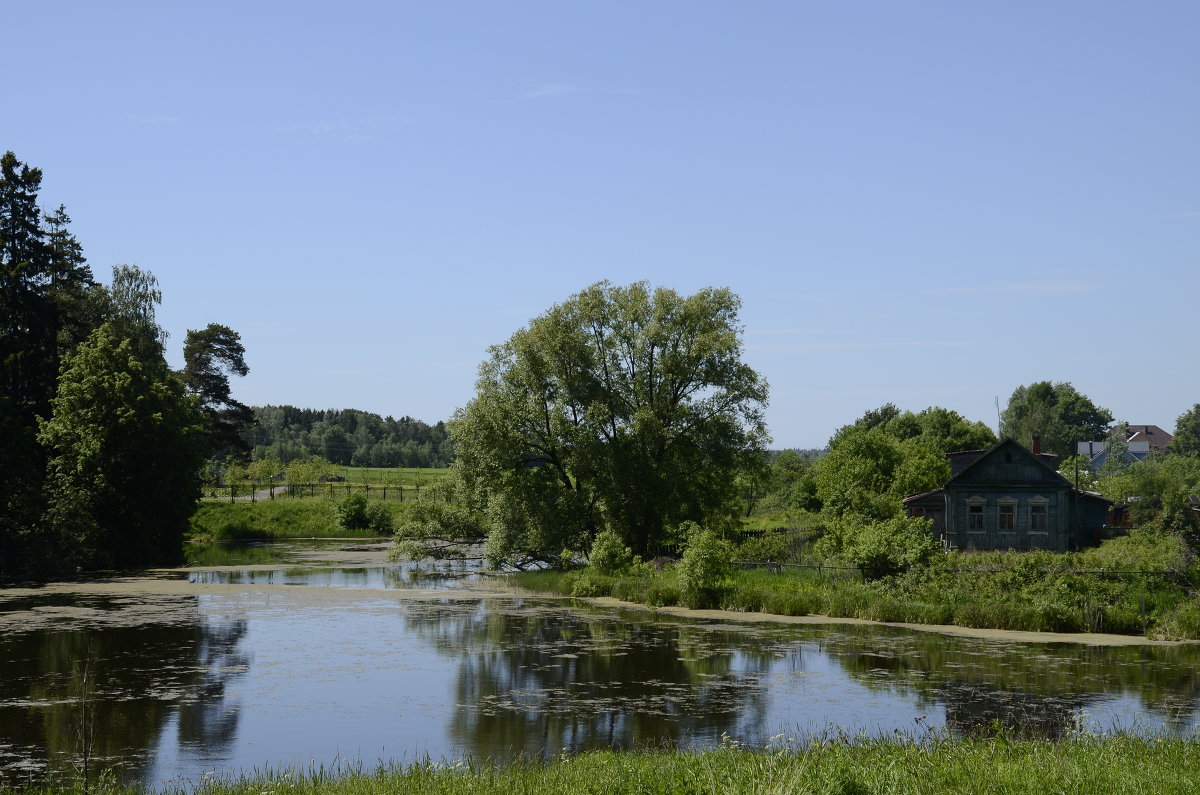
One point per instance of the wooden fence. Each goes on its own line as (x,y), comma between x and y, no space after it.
(238,492)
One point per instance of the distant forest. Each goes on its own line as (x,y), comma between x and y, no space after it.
(348,437)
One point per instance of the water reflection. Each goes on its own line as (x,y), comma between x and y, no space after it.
(537,680)
(234,679)
(400,575)
(1036,690)
(82,686)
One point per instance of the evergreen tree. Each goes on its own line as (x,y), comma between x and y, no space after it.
(210,355)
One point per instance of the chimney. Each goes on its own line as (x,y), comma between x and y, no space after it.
(1037,445)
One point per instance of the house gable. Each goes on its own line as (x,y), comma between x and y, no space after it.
(1007,463)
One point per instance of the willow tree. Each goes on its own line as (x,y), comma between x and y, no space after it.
(622,408)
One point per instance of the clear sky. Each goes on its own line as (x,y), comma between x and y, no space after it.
(928,203)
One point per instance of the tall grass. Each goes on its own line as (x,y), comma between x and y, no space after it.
(1126,764)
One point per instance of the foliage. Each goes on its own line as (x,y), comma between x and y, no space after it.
(623,408)
(348,437)
(1187,433)
(442,524)
(888,454)
(609,555)
(1075,469)
(210,356)
(355,512)
(277,519)
(939,429)
(1157,491)
(312,469)
(352,512)
(883,549)
(1057,413)
(98,458)
(702,571)
(1099,589)
(263,470)
(126,449)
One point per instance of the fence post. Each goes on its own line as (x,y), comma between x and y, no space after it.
(231,487)
(253,493)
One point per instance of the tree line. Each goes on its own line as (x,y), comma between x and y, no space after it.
(347,437)
(103,443)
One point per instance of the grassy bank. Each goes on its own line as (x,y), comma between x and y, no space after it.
(315,518)
(1123,764)
(1114,589)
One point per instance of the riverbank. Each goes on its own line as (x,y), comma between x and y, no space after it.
(1132,587)
(1126,764)
(314,517)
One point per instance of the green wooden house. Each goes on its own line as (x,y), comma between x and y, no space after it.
(1010,497)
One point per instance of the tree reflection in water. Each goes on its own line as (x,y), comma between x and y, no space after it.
(536,681)
(148,660)
(1024,689)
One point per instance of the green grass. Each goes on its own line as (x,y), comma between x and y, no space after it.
(1028,591)
(1126,764)
(314,518)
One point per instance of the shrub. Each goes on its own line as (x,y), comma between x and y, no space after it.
(380,518)
(704,569)
(591,584)
(889,547)
(609,555)
(353,513)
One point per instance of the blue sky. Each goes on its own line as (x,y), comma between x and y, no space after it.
(923,203)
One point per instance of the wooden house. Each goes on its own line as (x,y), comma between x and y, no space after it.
(1009,497)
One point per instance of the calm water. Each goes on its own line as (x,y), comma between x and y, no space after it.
(183,685)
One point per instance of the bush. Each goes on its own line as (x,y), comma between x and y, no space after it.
(881,549)
(379,518)
(609,555)
(704,569)
(591,584)
(352,512)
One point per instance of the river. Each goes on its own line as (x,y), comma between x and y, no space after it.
(294,655)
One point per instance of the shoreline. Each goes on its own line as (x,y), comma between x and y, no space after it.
(367,553)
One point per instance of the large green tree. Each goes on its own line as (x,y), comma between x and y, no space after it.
(1187,433)
(1057,413)
(622,408)
(126,451)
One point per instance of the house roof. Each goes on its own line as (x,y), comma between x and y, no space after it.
(1006,442)
(1156,436)
(1040,459)
(915,497)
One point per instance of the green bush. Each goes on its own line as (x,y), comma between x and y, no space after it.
(379,518)
(591,584)
(352,512)
(704,568)
(609,555)
(881,549)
